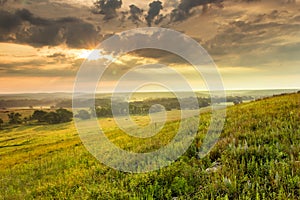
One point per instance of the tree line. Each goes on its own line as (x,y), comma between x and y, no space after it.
(140,107)
(54,117)
(59,116)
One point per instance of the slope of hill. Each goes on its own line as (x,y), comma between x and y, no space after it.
(257,157)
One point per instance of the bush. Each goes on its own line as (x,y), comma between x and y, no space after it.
(39,115)
(83,114)
(14,118)
(52,118)
(64,115)
(60,116)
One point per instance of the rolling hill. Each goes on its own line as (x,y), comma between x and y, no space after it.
(257,157)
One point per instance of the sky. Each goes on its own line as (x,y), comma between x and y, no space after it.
(255,44)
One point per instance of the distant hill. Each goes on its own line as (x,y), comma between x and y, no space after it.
(64,99)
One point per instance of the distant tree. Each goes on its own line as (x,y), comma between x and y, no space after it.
(14,118)
(64,115)
(237,101)
(1,122)
(84,114)
(103,112)
(39,115)
(52,118)
(25,119)
(156,108)
(59,116)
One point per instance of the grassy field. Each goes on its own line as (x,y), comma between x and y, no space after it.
(257,157)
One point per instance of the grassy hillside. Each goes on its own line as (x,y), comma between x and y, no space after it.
(257,157)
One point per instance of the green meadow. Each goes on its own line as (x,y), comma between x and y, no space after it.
(256,157)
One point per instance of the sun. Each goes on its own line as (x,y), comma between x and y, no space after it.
(94,54)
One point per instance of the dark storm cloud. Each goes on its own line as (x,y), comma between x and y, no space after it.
(18,65)
(34,72)
(81,35)
(153,40)
(8,22)
(23,27)
(159,19)
(2,2)
(163,57)
(108,8)
(185,6)
(135,13)
(26,15)
(40,67)
(154,10)
(257,41)
(57,55)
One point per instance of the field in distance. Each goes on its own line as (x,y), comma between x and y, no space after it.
(257,157)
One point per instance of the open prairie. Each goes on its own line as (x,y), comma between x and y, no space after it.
(257,157)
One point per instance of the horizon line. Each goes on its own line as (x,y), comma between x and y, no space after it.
(158,91)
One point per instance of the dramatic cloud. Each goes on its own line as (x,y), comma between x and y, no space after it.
(23,60)
(135,14)
(258,41)
(2,2)
(162,57)
(247,39)
(183,9)
(154,10)
(23,27)
(108,8)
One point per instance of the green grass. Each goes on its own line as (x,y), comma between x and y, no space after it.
(258,157)
(23,112)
